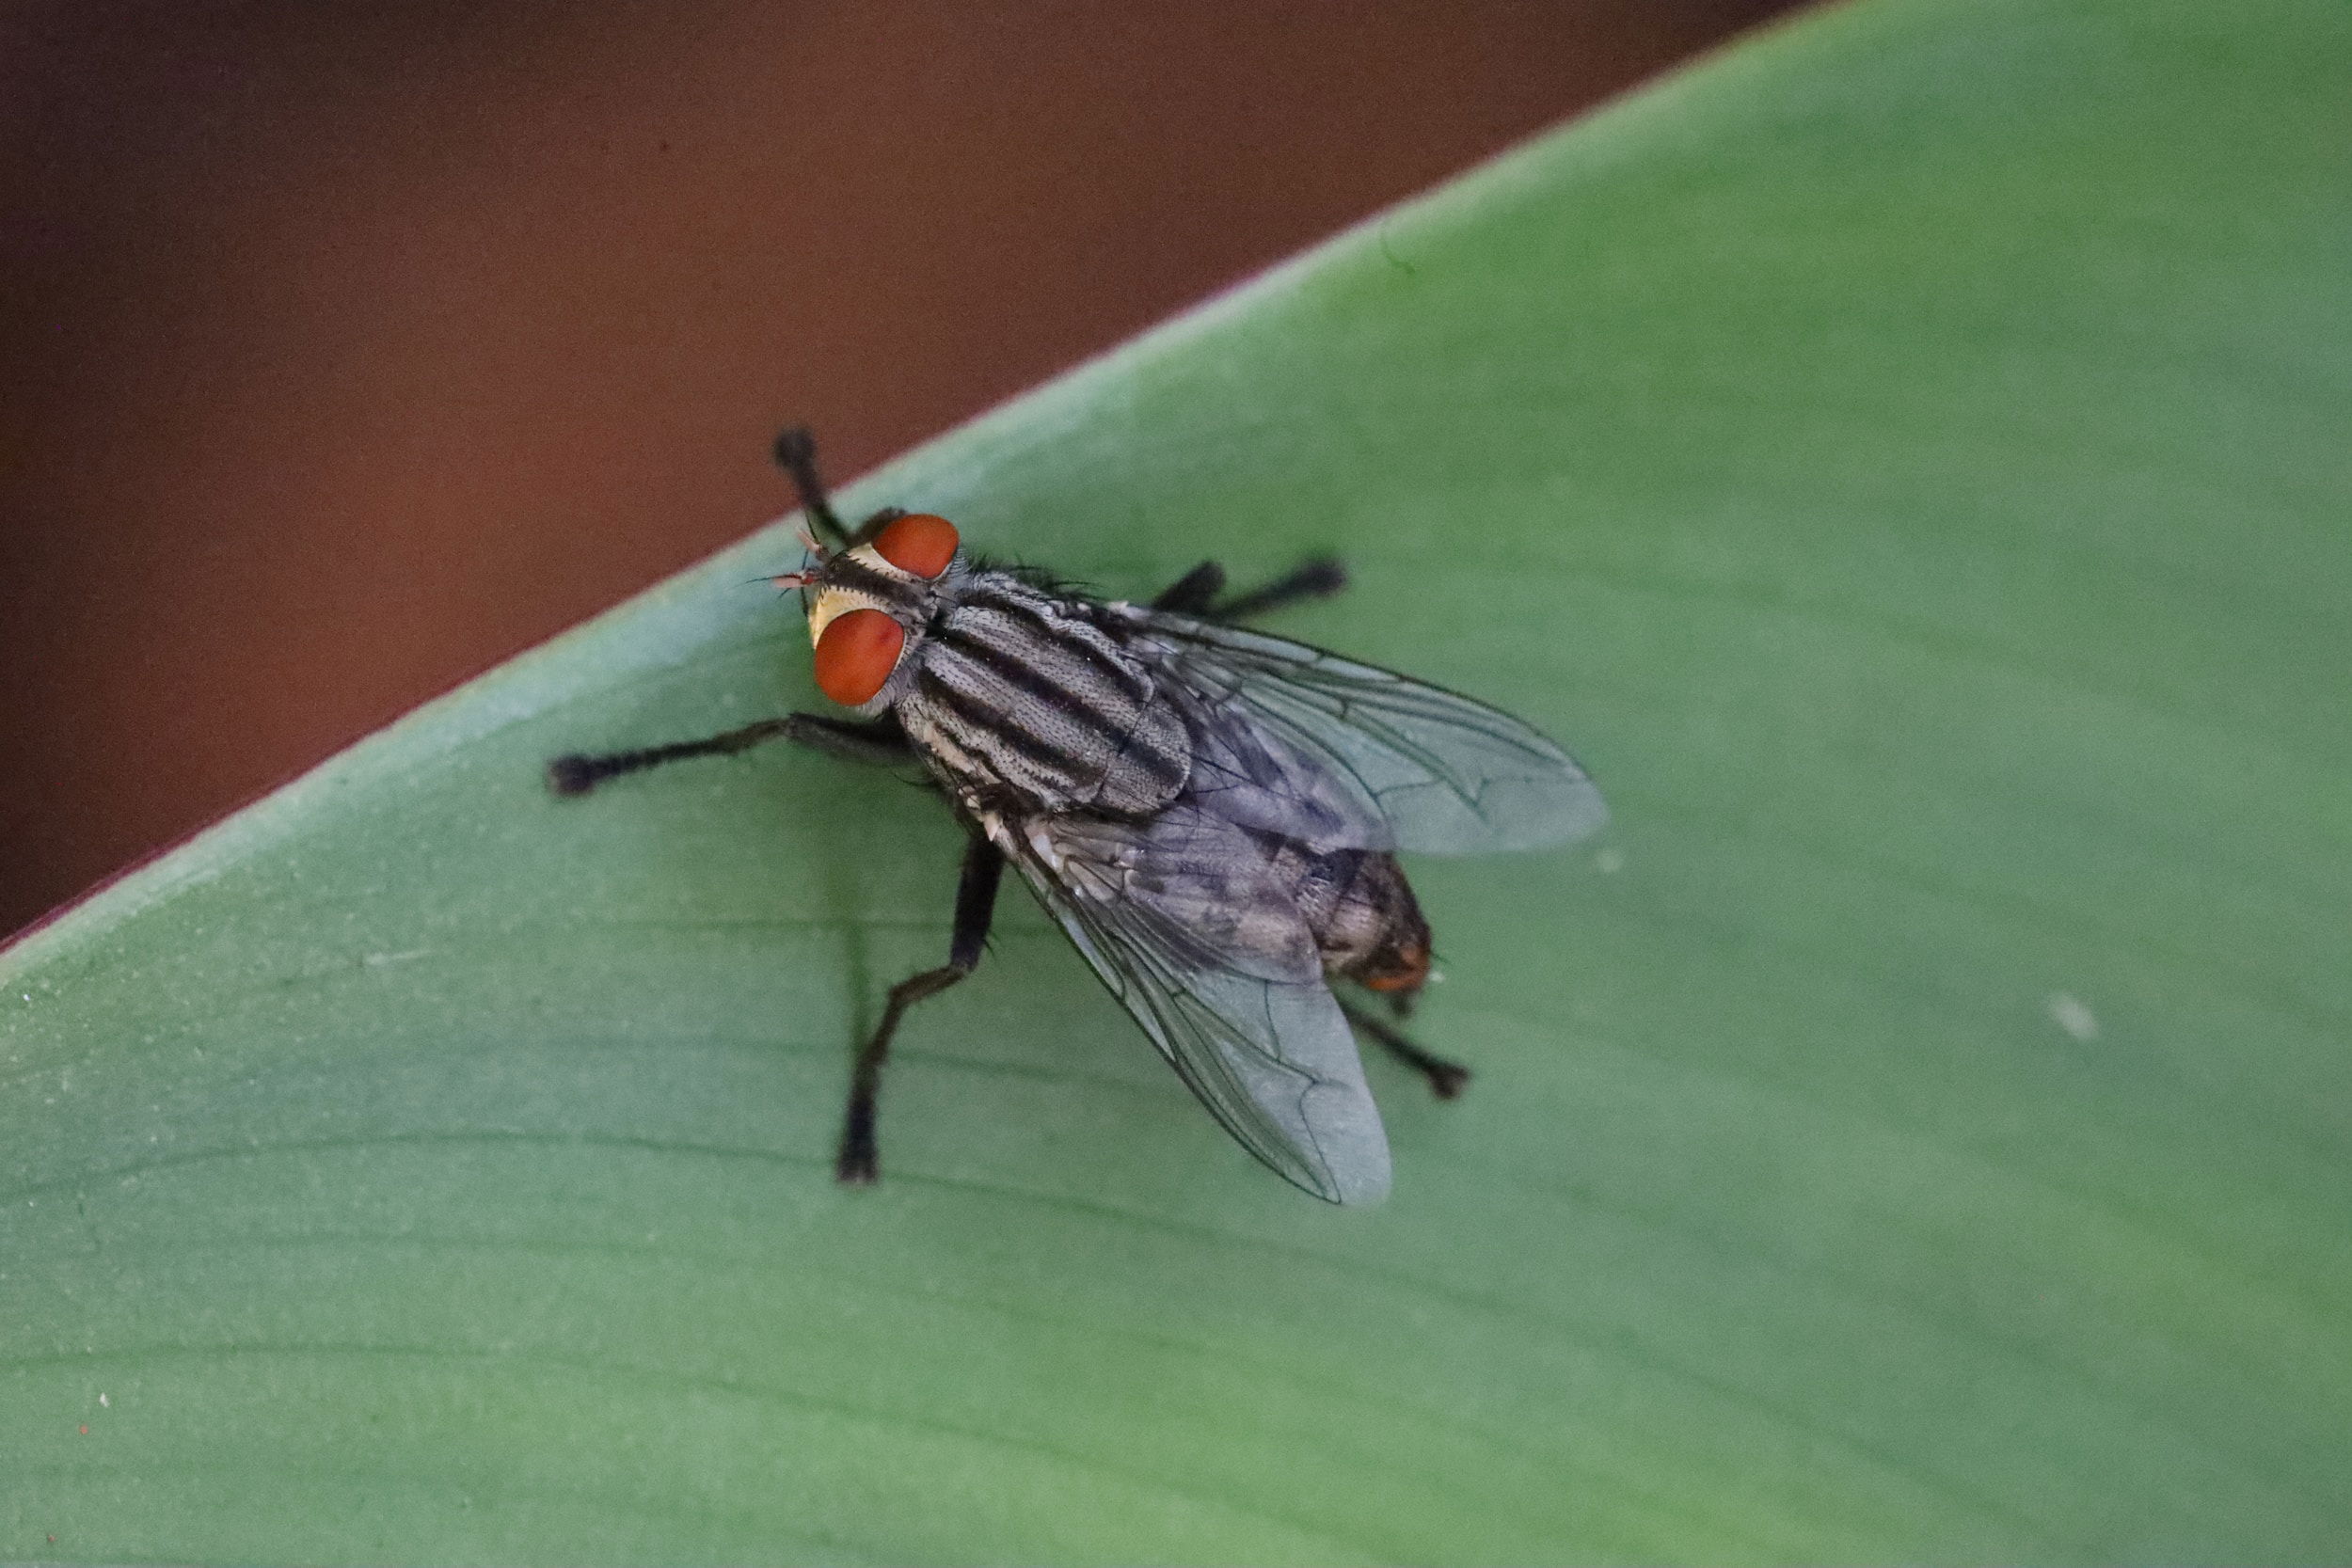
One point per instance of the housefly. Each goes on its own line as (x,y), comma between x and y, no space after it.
(1211,813)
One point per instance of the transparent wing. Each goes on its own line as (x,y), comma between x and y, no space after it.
(1181,923)
(1440,773)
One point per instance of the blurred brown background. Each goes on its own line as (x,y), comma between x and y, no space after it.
(346,349)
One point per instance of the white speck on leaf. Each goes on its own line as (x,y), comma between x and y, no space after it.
(1609,862)
(2072,1014)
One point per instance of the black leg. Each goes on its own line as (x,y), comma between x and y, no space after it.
(878,740)
(1445,1078)
(976,906)
(1193,593)
(796,454)
(1196,592)
(1318,579)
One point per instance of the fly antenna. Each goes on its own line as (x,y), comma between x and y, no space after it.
(796,454)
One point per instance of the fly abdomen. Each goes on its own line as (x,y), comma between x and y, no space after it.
(1013,699)
(1366,921)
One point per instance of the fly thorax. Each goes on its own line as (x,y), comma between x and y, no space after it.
(1018,695)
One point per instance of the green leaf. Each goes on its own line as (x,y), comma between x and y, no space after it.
(1906,458)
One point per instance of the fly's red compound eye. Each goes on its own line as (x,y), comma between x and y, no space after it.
(856,654)
(918,543)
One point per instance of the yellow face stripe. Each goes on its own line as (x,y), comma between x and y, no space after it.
(832,602)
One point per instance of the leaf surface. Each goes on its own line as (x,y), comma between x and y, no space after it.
(1905,458)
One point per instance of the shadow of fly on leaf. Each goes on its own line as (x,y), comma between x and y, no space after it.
(1212,815)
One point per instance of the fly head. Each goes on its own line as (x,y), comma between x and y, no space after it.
(871,601)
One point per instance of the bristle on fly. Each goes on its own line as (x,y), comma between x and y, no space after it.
(806,575)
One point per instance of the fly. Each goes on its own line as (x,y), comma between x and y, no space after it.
(1212,815)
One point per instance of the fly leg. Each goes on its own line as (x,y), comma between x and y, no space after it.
(976,906)
(1446,1078)
(1196,592)
(1318,579)
(1193,593)
(877,740)
(796,454)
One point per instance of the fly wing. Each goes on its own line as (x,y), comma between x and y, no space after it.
(1418,767)
(1181,921)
